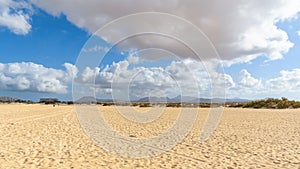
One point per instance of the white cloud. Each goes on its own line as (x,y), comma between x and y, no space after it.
(133,59)
(246,80)
(289,81)
(27,76)
(184,77)
(123,82)
(96,48)
(187,78)
(71,71)
(298,33)
(240,30)
(15,16)
(246,86)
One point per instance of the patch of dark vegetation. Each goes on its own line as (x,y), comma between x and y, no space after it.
(270,103)
(134,104)
(205,105)
(173,105)
(108,104)
(145,104)
(70,103)
(52,101)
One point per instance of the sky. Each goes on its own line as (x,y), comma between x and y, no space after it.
(129,49)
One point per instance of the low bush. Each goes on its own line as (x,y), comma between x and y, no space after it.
(145,105)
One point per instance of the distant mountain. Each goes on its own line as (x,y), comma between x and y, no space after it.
(204,100)
(180,98)
(106,100)
(154,99)
(177,99)
(220,100)
(86,99)
(236,99)
(190,99)
(91,99)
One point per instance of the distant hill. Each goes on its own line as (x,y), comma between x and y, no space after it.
(220,100)
(154,99)
(86,99)
(177,99)
(180,98)
(91,99)
(236,99)
(189,99)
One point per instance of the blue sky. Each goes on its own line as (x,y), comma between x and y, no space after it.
(40,45)
(259,68)
(52,41)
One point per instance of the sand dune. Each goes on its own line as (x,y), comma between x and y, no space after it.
(42,136)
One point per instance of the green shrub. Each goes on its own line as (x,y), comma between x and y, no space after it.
(272,103)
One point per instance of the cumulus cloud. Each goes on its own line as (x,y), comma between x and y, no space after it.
(133,59)
(247,81)
(123,82)
(240,30)
(289,81)
(246,86)
(15,16)
(185,77)
(27,76)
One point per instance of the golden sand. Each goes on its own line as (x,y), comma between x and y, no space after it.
(42,136)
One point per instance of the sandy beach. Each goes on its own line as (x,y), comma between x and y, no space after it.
(43,136)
